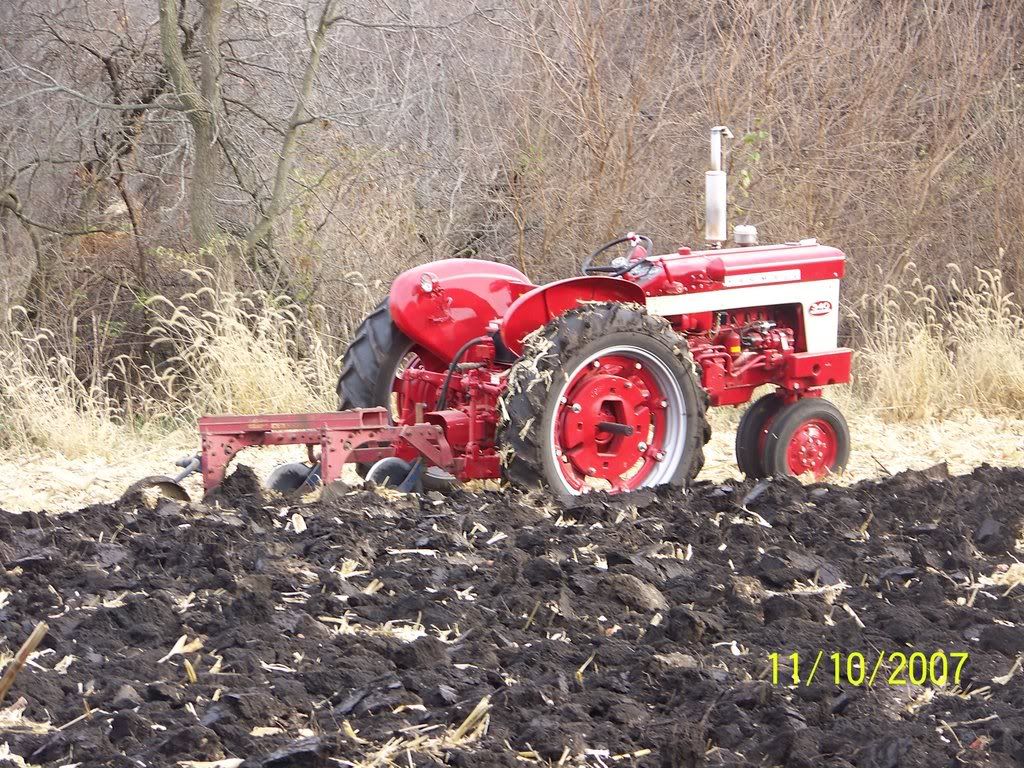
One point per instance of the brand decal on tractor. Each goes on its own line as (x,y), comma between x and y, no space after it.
(820,308)
(762,278)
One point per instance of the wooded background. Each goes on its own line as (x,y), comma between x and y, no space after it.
(318,147)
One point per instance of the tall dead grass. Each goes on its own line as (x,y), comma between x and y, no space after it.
(236,353)
(926,353)
(44,404)
(922,353)
(210,353)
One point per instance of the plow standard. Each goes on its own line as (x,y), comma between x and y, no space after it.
(469,371)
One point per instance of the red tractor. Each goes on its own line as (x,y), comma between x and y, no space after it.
(469,371)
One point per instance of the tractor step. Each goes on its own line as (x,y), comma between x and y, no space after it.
(363,435)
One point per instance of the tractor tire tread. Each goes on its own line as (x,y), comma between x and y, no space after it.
(374,340)
(533,376)
(749,460)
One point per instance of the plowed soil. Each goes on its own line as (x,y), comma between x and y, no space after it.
(496,630)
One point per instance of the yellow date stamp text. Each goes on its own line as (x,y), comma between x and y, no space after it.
(939,669)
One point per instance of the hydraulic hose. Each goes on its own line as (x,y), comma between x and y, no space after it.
(442,396)
(412,480)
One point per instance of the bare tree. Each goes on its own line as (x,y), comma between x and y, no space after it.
(322,145)
(201,102)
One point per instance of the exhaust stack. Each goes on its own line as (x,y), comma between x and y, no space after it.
(716,229)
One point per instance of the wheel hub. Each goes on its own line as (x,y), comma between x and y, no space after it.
(611,423)
(812,449)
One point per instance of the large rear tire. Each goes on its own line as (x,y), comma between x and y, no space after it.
(374,360)
(605,397)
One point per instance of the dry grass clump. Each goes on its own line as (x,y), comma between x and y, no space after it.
(46,403)
(211,352)
(926,353)
(236,353)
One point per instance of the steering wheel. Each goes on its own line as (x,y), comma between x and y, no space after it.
(642,247)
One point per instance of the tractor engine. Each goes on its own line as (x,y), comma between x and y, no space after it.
(736,358)
(464,403)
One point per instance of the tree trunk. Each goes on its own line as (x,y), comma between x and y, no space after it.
(200,101)
(299,117)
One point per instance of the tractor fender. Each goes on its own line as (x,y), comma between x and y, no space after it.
(464,297)
(541,305)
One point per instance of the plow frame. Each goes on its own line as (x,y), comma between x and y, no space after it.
(363,435)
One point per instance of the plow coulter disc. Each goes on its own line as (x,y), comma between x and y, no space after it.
(292,477)
(391,472)
(157,486)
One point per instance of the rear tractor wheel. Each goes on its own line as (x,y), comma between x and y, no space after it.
(371,376)
(605,397)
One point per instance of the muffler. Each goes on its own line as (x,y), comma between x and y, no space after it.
(716,228)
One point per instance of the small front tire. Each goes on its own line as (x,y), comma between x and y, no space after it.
(751,434)
(809,436)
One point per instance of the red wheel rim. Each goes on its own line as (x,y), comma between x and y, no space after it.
(617,424)
(812,449)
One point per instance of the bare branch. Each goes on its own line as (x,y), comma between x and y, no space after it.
(9,201)
(298,118)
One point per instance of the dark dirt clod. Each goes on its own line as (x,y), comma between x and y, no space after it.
(636,628)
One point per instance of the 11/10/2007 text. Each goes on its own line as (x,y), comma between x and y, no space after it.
(938,669)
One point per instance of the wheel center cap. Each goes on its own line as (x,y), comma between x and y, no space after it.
(809,449)
(605,422)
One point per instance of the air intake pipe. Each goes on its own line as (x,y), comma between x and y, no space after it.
(716,230)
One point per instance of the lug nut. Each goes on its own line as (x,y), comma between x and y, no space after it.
(563,399)
(592,471)
(642,447)
(597,363)
(664,403)
(659,455)
(629,385)
(639,367)
(565,459)
(576,407)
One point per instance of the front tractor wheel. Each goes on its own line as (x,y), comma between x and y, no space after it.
(809,436)
(605,397)
(752,432)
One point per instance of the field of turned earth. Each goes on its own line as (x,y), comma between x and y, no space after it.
(490,628)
